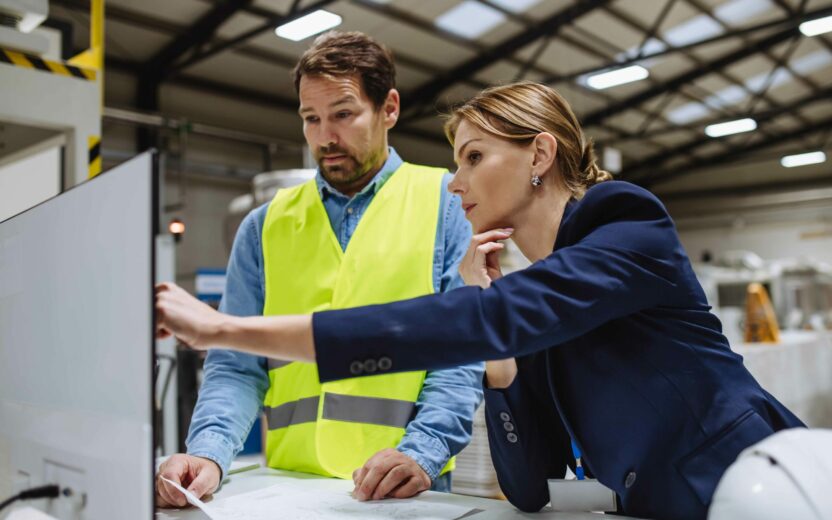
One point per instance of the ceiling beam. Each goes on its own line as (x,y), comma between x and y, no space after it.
(193,38)
(270,24)
(736,154)
(692,75)
(548,27)
(644,167)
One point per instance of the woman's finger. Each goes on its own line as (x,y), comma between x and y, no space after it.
(482,252)
(492,235)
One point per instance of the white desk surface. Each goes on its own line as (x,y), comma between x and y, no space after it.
(264,477)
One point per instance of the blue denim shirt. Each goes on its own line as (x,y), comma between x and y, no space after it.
(235,383)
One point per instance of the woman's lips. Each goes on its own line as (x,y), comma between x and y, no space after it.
(468,207)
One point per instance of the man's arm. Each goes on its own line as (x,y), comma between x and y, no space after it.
(449,398)
(445,408)
(234,383)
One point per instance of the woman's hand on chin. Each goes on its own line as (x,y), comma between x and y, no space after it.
(481,264)
(192,322)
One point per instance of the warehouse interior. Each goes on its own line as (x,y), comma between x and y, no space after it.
(725,116)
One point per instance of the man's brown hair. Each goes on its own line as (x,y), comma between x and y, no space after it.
(338,54)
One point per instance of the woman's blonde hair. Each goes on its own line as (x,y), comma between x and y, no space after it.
(519,112)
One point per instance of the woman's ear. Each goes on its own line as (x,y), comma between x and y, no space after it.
(545,148)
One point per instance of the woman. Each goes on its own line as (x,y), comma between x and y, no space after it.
(606,339)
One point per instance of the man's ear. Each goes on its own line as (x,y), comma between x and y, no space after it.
(545,148)
(391,108)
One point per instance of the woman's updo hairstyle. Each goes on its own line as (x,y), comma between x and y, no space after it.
(519,112)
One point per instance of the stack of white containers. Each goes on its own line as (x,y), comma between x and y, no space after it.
(474,474)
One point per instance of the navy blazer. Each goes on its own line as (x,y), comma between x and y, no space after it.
(616,348)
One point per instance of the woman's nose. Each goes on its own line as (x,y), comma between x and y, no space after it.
(455,186)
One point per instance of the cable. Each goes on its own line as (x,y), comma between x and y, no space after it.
(50,491)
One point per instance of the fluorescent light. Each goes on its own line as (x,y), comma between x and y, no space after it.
(306,26)
(617,77)
(803,159)
(815,27)
(731,127)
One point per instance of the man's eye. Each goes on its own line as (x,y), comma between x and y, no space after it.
(311,119)
(343,115)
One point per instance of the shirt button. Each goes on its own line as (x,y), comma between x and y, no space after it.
(356,367)
(512,437)
(349,210)
(385,363)
(508,426)
(504,416)
(631,479)
(370,366)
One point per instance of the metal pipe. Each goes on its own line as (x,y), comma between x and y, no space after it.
(121,115)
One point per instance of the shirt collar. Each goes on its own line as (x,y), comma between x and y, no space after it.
(393,162)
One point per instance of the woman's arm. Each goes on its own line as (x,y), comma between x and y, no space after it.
(201,327)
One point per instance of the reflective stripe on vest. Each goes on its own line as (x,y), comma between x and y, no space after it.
(332,429)
(337,407)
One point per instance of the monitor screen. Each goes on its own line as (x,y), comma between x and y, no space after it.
(76,346)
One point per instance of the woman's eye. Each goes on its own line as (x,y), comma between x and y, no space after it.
(474,157)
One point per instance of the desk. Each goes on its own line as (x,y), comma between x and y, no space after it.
(264,477)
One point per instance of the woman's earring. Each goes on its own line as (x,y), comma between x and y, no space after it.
(536,181)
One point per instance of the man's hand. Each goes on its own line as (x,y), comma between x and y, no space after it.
(198,475)
(389,473)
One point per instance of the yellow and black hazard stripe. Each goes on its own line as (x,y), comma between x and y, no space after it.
(28,61)
(94,156)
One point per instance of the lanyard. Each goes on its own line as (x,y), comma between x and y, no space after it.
(576,452)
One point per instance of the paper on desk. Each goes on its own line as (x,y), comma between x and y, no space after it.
(193,500)
(297,501)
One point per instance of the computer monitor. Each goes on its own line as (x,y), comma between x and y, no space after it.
(76,346)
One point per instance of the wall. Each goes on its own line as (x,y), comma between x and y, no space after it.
(29,181)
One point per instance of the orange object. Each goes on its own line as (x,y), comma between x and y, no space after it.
(760,320)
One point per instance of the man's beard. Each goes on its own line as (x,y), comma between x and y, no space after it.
(347,172)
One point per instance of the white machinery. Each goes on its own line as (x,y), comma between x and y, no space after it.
(49,104)
(787,475)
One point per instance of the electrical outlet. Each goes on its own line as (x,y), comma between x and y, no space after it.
(73,487)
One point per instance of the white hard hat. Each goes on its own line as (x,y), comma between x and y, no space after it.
(786,475)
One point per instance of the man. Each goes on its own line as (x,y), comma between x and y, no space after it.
(369,228)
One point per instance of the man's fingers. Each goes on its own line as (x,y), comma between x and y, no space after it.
(394,478)
(170,494)
(370,482)
(410,488)
(174,469)
(358,476)
(160,500)
(203,484)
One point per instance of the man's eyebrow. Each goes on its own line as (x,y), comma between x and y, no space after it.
(349,98)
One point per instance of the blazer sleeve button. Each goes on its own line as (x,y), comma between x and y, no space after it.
(385,363)
(512,437)
(505,417)
(370,366)
(630,480)
(356,368)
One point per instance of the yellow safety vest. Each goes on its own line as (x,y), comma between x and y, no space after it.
(332,429)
